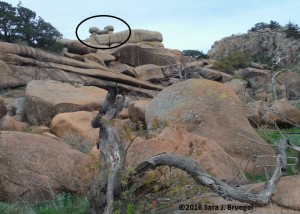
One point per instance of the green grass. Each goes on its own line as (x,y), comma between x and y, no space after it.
(62,204)
(255,178)
(272,136)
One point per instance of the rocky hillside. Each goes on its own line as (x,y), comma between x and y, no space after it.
(47,102)
(263,43)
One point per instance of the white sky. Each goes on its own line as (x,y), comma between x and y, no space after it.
(184,24)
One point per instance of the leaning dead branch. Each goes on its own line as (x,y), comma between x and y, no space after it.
(223,189)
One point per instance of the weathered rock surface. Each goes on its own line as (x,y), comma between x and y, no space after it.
(105,56)
(75,127)
(248,73)
(238,86)
(45,99)
(289,85)
(137,110)
(176,140)
(73,56)
(93,57)
(285,194)
(8,123)
(137,36)
(211,110)
(210,74)
(24,74)
(3,109)
(77,47)
(7,79)
(13,53)
(64,41)
(122,68)
(37,168)
(256,111)
(149,72)
(142,54)
(264,42)
(282,113)
(18,108)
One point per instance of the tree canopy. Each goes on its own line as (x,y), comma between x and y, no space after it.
(21,23)
(262,25)
(291,29)
(195,54)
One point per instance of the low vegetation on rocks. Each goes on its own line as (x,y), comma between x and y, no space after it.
(92,131)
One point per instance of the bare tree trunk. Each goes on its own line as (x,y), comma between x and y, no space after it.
(108,177)
(274,85)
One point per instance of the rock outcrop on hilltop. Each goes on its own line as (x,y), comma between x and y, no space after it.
(267,42)
(111,39)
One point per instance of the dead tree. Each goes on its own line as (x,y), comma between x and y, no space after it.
(108,179)
(277,59)
(107,183)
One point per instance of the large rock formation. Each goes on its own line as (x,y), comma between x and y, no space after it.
(75,127)
(45,99)
(17,54)
(211,110)
(142,54)
(176,140)
(137,36)
(266,42)
(37,168)
(149,72)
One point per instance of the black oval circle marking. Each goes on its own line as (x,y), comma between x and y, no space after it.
(76,31)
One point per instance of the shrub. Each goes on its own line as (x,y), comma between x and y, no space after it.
(233,61)
(262,58)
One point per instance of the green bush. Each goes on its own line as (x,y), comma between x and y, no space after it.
(262,58)
(233,61)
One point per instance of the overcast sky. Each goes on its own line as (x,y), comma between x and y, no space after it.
(184,24)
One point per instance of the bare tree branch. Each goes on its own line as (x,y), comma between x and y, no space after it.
(223,189)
